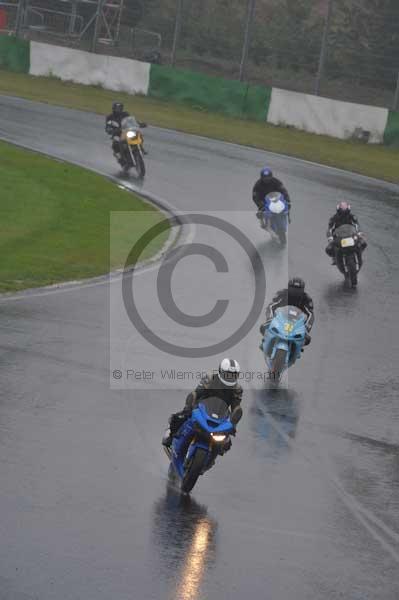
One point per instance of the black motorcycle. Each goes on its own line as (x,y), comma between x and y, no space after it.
(348,247)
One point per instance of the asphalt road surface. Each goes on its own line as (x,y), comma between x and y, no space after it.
(306,503)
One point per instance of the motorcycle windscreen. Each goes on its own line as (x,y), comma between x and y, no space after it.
(129,123)
(345,231)
(290,313)
(215,407)
(277,207)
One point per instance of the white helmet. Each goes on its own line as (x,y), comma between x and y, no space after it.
(229,371)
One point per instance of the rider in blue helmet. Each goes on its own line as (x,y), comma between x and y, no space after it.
(266,184)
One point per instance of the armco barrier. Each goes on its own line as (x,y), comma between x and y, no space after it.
(229,97)
(113,73)
(325,116)
(14,54)
(391,134)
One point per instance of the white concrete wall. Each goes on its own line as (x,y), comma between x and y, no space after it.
(113,73)
(325,116)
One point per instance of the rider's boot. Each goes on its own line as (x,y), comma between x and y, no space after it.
(118,157)
(167,439)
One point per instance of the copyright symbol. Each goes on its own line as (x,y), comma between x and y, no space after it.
(164,290)
(117,374)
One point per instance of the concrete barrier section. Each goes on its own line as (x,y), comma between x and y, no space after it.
(325,116)
(113,73)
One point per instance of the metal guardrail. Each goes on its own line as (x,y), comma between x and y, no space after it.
(53,21)
(138,43)
(145,39)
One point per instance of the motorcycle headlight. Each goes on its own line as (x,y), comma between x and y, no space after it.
(218,437)
(131,134)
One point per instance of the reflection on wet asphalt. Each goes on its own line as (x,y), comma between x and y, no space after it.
(306,503)
(274,416)
(184,537)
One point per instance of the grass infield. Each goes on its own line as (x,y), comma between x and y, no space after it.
(55,221)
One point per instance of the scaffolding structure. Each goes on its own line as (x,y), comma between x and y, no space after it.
(106,21)
(99,20)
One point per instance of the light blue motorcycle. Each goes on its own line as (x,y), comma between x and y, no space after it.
(284,340)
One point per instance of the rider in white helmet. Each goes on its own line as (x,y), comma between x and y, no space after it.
(222,384)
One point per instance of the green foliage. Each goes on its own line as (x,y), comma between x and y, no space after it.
(214,28)
(289,36)
(285,30)
(364,41)
(159,16)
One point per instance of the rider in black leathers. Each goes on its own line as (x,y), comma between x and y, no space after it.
(222,384)
(342,216)
(113,124)
(294,295)
(265,185)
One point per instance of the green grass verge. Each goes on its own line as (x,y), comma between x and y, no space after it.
(372,160)
(55,221)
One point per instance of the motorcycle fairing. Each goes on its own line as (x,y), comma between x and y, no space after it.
(286,331)
(186,442)
(276,213)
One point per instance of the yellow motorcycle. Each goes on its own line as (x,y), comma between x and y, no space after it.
(131,146)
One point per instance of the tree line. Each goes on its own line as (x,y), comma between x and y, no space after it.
(363,40)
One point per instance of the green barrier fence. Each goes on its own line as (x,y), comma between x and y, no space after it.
(14,54)
(391,133)
(196,90)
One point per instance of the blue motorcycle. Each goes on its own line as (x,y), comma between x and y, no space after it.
(284,340)
(199,441)
(275,216)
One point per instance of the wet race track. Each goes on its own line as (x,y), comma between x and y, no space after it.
(306,504)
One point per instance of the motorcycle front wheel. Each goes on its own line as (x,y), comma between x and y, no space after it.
(278,365)
(140,166)
(282,236)
(194,470)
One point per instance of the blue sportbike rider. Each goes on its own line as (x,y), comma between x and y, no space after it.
(266,184)
(224,385)
(202,430)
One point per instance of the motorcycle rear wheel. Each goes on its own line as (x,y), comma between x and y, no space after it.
(352,269)
(194,470)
